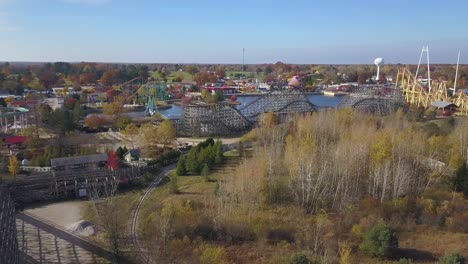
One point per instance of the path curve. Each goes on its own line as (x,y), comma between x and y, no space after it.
(136,214)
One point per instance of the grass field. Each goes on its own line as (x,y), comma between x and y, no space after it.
(246,74)
(191,187)
(187,77)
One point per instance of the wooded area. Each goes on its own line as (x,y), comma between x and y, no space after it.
(325,188)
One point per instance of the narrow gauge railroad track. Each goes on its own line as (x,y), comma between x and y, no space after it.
(138,247)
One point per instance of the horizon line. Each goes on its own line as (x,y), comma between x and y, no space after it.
(214,63)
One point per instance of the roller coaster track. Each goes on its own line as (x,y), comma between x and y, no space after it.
(129,82)
(375,100)
(137,245)
(415,94)
(277,101)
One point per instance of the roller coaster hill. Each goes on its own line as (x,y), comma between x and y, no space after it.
(222,119)
(427,94)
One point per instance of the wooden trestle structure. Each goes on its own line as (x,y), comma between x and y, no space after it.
(62,185)
(378,100)
(222,119)
(9,253)
(282,102)
(415,94)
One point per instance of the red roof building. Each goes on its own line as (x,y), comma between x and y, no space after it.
(15,140)
(25,103)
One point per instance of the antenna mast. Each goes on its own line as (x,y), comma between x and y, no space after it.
(243,59)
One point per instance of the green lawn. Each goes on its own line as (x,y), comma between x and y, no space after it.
(187,77)
(246,74)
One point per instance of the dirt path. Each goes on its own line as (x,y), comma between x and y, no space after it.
(63,214)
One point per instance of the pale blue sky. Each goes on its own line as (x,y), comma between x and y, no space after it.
(206,31)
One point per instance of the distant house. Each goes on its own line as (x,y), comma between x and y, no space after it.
(16,141)
(88,162)
(223,89)
(132,155)
(60,90)
(29,104)
(4,94)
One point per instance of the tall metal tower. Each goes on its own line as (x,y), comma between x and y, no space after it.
(456,75)
(425,49)
(243,59)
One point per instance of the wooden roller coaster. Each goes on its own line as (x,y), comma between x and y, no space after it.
(8,242)
(417,94)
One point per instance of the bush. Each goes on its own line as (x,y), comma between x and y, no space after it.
(452,259)
(174,184)
(461,179)
(404,261)
(300,259)
(214,255)
(122,122)
(380,241)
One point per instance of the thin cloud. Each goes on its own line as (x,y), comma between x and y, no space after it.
(87,2)
(4,27)
(7,28)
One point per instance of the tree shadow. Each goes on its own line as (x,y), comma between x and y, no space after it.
(415,255)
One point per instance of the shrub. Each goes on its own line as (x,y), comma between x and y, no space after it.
(380,241)
(299,259)
(95,121)
(454,258)
(461,179)
(213,255)
(122,122)
(174,184)
(357,231)
(404,261)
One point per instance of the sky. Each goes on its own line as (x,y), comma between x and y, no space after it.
(207,31)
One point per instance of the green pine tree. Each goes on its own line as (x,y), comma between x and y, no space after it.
(206,172)
(181,167)
(461,179)
(192,163)
(218,150)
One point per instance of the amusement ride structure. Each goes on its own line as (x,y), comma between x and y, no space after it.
(200,119)
(416,93)
(150,93)
(13,118)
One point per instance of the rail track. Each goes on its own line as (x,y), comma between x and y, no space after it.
(138,247)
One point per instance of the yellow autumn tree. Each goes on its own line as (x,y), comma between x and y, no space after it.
(14,166)
(166,132)
(115,109)
(9,100)
(131,133)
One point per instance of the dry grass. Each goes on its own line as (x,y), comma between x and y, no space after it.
(437,242)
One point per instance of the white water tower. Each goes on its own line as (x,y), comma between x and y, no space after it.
(378,62)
